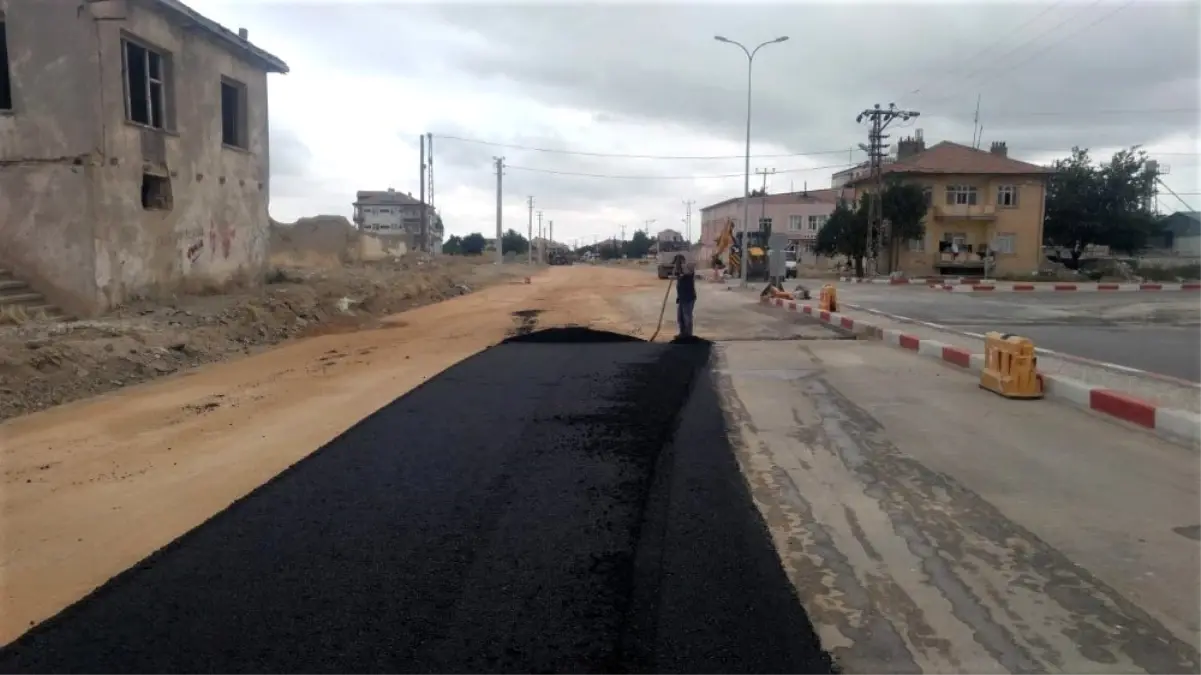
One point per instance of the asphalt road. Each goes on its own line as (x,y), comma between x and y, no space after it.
(536,508)
(1158,332)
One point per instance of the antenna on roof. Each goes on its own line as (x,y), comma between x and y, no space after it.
(977,131)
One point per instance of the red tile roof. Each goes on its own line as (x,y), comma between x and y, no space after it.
(953,158)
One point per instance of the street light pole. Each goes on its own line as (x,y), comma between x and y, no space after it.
(746,183)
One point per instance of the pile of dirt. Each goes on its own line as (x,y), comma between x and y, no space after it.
(45,363)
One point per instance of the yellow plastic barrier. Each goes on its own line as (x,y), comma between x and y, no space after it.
(827,300)
(1010,367)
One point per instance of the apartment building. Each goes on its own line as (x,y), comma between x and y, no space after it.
(980,201)
(800,215)
(397,214)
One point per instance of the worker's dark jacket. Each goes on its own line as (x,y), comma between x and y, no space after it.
(686,288)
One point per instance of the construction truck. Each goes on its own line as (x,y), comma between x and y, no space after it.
(558,256)
(729,243)
(668,248)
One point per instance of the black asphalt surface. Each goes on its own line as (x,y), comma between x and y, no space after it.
(553,507)
(1159,336)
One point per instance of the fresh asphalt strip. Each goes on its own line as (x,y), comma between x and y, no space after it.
(566,501)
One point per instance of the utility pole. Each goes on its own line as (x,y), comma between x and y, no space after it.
(550,233)
(877,150)
(421,231)
(529,229)
(540,260)
(500,171)
(688,219)
(426,240)
(763,195)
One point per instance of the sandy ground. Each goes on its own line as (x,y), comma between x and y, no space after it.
(93,486)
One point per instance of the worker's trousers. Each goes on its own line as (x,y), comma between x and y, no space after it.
(684,316)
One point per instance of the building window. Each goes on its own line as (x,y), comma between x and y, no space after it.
(145,85)
(817,222)
(960,195)
(1007,195)
(233,113)
(917,245)
(928,196)
(1003,243)
(794,223)
(6,87)
(764,224)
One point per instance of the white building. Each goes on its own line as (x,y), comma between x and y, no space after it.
(388,212)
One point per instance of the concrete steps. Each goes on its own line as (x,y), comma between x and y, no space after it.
(19,302)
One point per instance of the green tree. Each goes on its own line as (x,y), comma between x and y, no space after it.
(845,233)
(474,244)
(758,192)
(453,245)
(638,246)
(904,207)
(513,241)
(1102,204)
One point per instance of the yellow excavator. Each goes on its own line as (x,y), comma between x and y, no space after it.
(730,243)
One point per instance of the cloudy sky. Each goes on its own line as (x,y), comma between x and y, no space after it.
(661,106)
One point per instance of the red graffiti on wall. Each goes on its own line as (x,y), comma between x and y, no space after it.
(223,234)
(195,250)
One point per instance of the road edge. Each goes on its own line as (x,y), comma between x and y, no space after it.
(1169,423)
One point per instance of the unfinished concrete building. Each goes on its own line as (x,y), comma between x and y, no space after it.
(133,150)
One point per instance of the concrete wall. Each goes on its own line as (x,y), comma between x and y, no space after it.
(72,166)
(217,229)
(48,159)
(331,241)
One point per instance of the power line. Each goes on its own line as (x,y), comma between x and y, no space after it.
(846,150)
(1010,68)
(651,177)
(585,153)
(989,46)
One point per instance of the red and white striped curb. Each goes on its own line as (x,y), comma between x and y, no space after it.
(974,286)
(1080,288)
(1177,424)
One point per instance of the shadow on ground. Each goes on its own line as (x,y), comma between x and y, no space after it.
(563,502)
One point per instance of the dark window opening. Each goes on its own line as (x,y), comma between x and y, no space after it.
(6,92)
(145,86)
(233,114)
(156,192)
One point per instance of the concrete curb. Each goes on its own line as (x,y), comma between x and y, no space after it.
(1077,288)
(1167,422)
(976,286)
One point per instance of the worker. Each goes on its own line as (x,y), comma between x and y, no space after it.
(685,295)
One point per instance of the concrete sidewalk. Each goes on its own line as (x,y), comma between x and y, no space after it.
(1164,406)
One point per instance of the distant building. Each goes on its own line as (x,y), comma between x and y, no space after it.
(979,201)
(392,213)
(800,215)
(1179,233)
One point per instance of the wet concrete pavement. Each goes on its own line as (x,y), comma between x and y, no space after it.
(523,512)
(1155,331)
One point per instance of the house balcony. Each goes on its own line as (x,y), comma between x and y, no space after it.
(981,212)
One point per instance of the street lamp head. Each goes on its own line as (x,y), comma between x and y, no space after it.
(720,38)
(782,38)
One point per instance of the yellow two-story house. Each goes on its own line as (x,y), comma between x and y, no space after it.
(978,201)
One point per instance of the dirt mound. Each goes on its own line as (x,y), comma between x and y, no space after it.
(44,363)
(571,335)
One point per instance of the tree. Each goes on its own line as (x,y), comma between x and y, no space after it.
(513,241)
(638,246)
(758,192)
(904,207)
(453,245)
(474,244)
(1101,204)
(845,233)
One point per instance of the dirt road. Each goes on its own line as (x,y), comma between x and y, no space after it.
(92,487)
